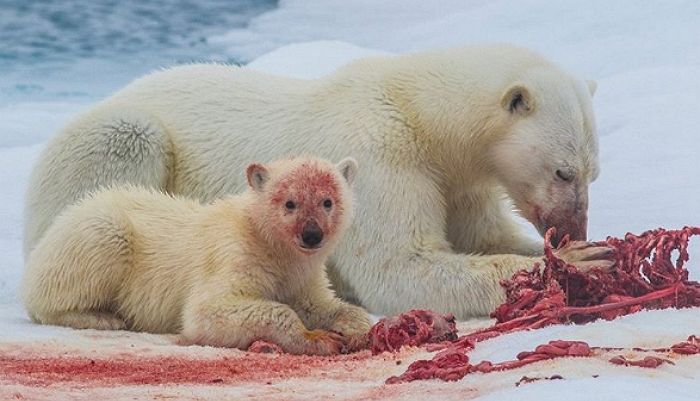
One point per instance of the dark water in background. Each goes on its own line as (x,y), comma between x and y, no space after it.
(81,49)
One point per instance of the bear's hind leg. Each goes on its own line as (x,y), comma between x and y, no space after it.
(106,147)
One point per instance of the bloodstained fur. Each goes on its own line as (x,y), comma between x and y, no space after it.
(307,186)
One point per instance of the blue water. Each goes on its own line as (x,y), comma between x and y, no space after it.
(82,49)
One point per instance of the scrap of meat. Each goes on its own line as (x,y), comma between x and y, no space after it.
(646,362)
(412,328)
(453,363)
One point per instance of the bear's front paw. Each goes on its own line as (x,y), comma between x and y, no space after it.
(586,256)
(322,342)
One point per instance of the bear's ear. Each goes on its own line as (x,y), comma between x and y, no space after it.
(257,176)
(348,168)
(592,86)
(518,99)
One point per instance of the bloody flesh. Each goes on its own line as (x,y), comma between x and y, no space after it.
(412,328)
(645,278)
(264,347)
(453,363)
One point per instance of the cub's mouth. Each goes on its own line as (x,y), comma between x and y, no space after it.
(310,249)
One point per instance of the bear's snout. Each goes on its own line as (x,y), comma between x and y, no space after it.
(311,235)
(574,226)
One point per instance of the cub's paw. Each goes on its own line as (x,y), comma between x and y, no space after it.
(322,342)
(87,320)
(354,343)
(352,321)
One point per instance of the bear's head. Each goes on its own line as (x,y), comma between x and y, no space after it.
(547,154)
(303,204)
(504,115)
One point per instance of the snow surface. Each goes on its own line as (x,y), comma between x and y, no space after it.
(646,59)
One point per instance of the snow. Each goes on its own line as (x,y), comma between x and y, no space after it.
(645,57)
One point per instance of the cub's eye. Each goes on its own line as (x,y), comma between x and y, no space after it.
(290,205)
(327,203)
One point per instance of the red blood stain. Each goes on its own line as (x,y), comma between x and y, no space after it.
(308,186)
(264,347)
(134,370)
(305,182)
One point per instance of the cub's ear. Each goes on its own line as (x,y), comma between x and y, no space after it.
(257,176)
(518,99)
(348,168)
(592,86)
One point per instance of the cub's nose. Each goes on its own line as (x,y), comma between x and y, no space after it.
(311,235)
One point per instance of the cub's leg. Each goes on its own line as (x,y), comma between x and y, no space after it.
(318,307)
(85,320)
(73,276)
(236,321)
(105,147)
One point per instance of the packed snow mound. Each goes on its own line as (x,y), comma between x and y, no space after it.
(312,59)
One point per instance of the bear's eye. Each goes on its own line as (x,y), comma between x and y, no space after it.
(327,203)
(290,205)
(566,174)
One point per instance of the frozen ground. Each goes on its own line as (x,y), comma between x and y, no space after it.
(646,59)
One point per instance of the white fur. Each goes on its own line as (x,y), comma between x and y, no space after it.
(439,144)
(138,259)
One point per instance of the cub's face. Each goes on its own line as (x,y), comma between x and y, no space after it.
(307,207)
(550,156)
(307,202)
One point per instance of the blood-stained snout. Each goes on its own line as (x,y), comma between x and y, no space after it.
(311,235)
(311,207)
(566,209)
(548,155)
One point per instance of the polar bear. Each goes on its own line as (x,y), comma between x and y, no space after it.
(243,268)
(444,137)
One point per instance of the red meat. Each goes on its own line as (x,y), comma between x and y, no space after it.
(412,328)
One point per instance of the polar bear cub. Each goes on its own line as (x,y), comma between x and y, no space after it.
(243,268)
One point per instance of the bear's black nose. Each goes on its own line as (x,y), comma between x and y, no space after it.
(311,235)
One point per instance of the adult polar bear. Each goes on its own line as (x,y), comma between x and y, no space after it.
(438,135)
